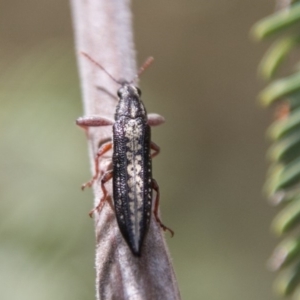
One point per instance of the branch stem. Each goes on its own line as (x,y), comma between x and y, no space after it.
(103,30)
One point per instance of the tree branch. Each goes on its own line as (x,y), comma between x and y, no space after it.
(103,29)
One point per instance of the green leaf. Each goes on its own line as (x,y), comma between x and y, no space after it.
(276,55)
(289,175)
(280,88)
(276,22)
(294,100)
(283,181)
(285,253)
(287,218)
(272,178)
(283,197)
(287,149)
(286,126)
(287,283)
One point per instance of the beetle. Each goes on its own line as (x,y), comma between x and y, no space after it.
(131,171)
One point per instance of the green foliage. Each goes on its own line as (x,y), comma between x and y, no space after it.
(283,180)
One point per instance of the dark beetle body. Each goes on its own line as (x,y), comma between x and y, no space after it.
(132,169)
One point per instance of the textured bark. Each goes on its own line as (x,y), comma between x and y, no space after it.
(103,29)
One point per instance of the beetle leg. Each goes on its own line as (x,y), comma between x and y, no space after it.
(156,149)
(93,121)
(155,119)
(156,188)
(107,176)
(104,148)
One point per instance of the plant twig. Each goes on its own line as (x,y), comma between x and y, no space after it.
(103,29)
(283,4)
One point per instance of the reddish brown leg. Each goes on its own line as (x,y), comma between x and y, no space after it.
(156,148)
(155,119)
(156,188)
(107,176)
(93,121)
(104,148)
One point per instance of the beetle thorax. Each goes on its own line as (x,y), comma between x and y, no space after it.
(130,104)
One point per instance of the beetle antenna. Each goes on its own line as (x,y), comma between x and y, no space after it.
(100,66)
(144,67)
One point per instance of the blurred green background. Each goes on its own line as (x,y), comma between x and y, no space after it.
(211,168)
